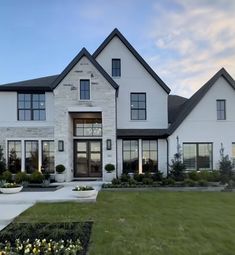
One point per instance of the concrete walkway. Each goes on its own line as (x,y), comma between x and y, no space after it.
(12,205)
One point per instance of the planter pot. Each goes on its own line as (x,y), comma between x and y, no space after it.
(11,190)
(85,193)
(46,183)
(109,176)
(60,177)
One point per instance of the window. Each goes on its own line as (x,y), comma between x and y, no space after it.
(31,156)
(14,156)
(84,89)
(233,155)
(88,127)
(48,164)
(221,110)
(31,107)
(138,106)
(130,156)
(149,156)
(198,156)
(116,67)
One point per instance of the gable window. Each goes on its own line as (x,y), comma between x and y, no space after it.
(138,106)
(221,109)
(130,156)
(84,89)
(197,156)
(116,67)
(31,106)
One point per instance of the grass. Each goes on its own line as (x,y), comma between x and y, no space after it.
(151,223)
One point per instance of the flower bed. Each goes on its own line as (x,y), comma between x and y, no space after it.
(45,238)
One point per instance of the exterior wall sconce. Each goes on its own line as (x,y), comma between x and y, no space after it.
(60,145)
(109,144)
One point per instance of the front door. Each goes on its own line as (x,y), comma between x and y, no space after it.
(88,154)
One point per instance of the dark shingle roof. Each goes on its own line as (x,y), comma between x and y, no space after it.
(81,54)
(196,97)
(117,33)
(175,104)
(146,133)
(39,84)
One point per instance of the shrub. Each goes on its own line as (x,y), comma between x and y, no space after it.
(109,168)
(138,177)
(168,181)
(158,176)
(132,182)
(230,186)
(177,168)
(21,177)
(60,169)
(125,178)
(189,182)
(2,161)
(147,181)
(116,181)
(225,166)
(194,175)
(203,183)
(147,175)
(7,176)
(36,177)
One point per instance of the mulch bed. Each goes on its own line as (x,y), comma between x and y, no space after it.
(39,188)
(54,231)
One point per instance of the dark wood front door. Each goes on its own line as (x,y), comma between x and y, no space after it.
(87,158)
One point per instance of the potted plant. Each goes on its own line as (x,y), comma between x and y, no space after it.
(84,191)
(109,172)
(60,176)
(10,188)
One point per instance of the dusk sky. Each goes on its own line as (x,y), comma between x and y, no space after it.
(184,41)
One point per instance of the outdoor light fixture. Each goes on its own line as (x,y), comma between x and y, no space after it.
(109,144)
(60,145)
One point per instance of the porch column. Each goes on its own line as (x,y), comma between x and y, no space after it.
(140,156)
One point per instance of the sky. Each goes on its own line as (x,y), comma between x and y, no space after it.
(185,41)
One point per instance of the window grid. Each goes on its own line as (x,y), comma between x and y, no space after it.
(88,127)
(138,106)
(221,109)
(149,156)
(48,157)
(31,156)
(84,89)
(130,156)
(31,107)
(116,67)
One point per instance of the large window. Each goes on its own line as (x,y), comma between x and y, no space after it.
(31,156)
(88,127)
(31,106)
(85,89)
(130,156)
(221,109)
(48,164)
(149,156)
(116,67)
(138,106)
(14,156)
(198,156)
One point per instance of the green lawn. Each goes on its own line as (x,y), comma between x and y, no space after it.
(169,223)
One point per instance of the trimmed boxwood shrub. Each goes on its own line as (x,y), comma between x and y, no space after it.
(203,183)
(125,178)
(168,181)
(7,176)
(147,181)
(138,177)
(60,169)
(132,182)
(116,181)
(194,175)
(189,182)
(36,177)
(158,176)
(109,168)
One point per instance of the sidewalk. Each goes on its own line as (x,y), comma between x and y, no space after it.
(12,205)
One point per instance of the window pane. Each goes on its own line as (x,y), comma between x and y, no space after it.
(189,151)
(204,156)
(31,156)
(145,144)
(134,114)
(36,115)
(142,115)
(14,156)
(84,89)
(149,159)
(42,115)
(27,115)
(48,164)
(130,156)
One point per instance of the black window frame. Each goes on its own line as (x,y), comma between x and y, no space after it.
(25,152)
(49,170)
(116,67)
(197,156)
(32,109)
(149,151)
(221,111)
(130,150)
(138,109)
(9,151)
(84,91)
(93,126)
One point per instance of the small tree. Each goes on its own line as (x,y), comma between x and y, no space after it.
(225,167)
(177,171)
(14,164)
(2,161)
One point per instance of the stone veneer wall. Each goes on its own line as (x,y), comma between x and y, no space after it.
(66,95)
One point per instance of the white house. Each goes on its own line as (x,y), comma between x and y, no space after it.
(111,107)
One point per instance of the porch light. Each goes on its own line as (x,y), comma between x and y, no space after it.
(60,145)
(109,144)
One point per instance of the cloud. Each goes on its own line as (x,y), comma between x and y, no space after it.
(194,41)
